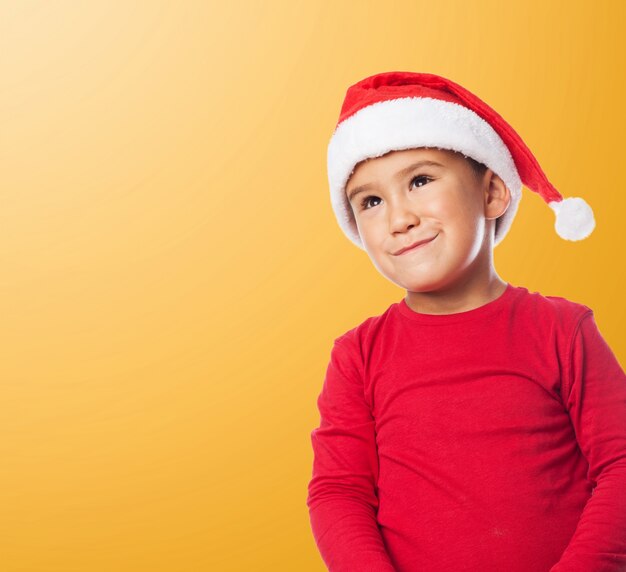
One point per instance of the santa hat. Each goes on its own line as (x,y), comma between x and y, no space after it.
(404,110)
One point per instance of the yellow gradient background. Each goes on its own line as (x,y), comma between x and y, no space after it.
(173,275)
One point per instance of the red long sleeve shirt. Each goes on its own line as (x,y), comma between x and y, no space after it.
(489,440)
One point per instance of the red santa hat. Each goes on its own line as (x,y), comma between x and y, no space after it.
(404,110)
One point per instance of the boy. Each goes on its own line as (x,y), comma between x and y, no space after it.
(474,425)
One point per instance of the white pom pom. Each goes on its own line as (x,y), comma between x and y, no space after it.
(574,218)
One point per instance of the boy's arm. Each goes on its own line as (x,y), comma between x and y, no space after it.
(342,498)
(596,402)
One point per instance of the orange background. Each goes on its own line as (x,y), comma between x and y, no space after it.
(172,272)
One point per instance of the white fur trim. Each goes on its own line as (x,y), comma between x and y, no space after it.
(574,218)
(408,123)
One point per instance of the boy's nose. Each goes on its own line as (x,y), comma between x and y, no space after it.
(402,216)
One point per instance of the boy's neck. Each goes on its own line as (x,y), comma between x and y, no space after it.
(459,298)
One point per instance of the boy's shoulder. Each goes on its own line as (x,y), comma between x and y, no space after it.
(551,306)
(365,330)
(547,309)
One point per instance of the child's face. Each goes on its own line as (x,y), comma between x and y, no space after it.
(447,202)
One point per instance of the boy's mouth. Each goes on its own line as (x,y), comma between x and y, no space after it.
(415,245)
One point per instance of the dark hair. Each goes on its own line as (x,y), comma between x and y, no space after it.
(479,170)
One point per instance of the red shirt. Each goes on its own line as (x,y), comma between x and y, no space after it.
(489,440)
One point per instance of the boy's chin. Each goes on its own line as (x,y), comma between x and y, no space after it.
(412,283)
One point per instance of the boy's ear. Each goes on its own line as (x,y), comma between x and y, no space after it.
(497,196)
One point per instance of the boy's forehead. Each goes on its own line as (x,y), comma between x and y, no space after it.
(400,158)
(430,152)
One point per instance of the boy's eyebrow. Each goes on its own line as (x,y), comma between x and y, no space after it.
(399,175)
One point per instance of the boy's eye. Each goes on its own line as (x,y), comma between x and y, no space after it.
(419,178)
(366,201)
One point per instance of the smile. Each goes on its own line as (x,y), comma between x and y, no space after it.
(417,247)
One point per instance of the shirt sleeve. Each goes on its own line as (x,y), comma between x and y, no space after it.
(342,497)
(596,403)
